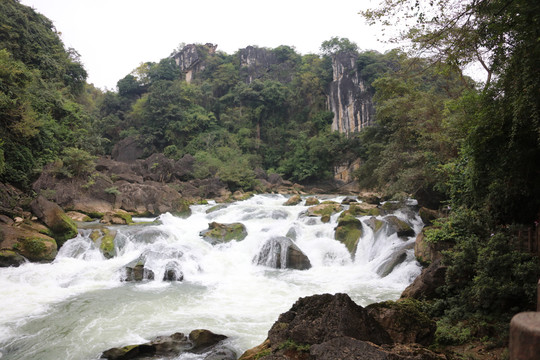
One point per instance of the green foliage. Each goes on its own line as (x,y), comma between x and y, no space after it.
(292,345)
(113,190)
(78,162)
(336,45)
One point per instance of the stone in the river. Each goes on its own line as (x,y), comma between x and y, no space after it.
(282,253)
(349,232)
(221,233)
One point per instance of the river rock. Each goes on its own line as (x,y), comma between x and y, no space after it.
(311,201)
(61,226)
(396,225)
(426,284)
(26,242)
(199,341)
(324,210)
(222,353)
(11,258)
(282,253)
(348,200)
(404,321)
(221,233)
(375,224)
(293,200)
(349,232)
(119,217)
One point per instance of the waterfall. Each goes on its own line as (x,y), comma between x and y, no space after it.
(84,302)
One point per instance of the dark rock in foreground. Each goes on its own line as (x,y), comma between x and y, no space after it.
(327,327)
(199,341)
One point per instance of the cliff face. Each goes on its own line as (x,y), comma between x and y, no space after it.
(349,99)
(191,59)
(261,63)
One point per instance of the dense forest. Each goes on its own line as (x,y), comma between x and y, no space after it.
(470,148)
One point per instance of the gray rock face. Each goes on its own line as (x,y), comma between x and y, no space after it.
(349,99)
(282,253)
(191,59)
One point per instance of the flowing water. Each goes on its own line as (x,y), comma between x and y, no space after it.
(79,306)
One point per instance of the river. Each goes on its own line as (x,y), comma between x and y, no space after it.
(79,306)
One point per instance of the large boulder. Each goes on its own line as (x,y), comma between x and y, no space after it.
(404,321)
(29,243)
(127,150)
(282,253)
(319,318)
(293,200)
(396,225)
(426,284)
(61,226)
(349,232)
(220,233)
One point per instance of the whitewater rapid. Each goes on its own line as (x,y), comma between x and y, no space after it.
(78,306)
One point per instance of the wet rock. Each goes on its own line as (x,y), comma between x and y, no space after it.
(426,284)
(172,273)
(172,345)
(349,200)
(324,210)
(221,233)
(223,353)
(282,253)
(375,224)
(397,257)
(363,209)
(116,218)
(203,339)
(11,258)
(61,226)
(347,348)
(311,201)
(396,225)
(349,232)
(77,216)
(293,200)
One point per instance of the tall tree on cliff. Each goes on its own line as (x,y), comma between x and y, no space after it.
(498,168)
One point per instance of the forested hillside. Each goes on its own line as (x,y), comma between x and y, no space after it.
(469,149)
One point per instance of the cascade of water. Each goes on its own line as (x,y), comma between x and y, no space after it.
(49,310)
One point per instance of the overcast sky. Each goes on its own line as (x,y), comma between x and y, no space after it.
(115,36)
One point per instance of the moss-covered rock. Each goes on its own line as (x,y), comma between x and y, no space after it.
(31,244)
(216,208)
(363,209)
(220,233)
(324,210)
(293,200)
(11,258)
(405,321)
(311,201)
(375,224)
(396,225)
(78,216)
(181,208)
(119,217)
(61,226)
(107,243)
(349,232)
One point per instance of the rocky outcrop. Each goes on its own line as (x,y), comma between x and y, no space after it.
(350,98)
(192,59)
(426,284)
(27,242)
(61,226)
(198,341)
(127,150)
(404,321)
(220,233)
(282,253)
(322,327)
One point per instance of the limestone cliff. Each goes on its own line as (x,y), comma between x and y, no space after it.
(349,99)
(262,63)
(191,58)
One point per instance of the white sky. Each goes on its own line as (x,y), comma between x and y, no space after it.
(115,36)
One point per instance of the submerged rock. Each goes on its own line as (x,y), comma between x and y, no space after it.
(221,233)
(282,253)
